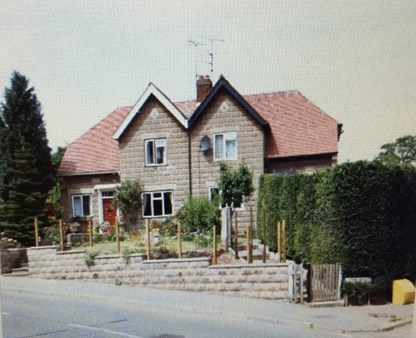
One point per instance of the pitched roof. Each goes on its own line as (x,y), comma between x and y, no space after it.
(151,90)
(223,84)
(96,151)
(294,125)
(297,126)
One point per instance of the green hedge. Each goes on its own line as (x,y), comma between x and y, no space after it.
(360,214)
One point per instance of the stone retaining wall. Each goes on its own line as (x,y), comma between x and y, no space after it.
(192,274)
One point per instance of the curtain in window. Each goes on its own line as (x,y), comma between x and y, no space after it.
(230,149)
(76,206)
(218,146)
(160,151)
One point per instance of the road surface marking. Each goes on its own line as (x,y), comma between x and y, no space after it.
(104,330)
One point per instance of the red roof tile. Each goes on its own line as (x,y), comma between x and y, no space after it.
(297,126)
(187,107)
(96,151)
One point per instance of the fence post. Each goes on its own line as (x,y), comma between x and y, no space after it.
(180,240)
(117,235)
(61,234)
(284,241)
(279,242)
(214,248)
(414,319)
(36,232)
(236,234)
(250,238)
(90,232)
(147,239)
(263,221)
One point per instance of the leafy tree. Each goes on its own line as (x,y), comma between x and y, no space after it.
(27,172)
(128,199)
(401,152)
(236,185)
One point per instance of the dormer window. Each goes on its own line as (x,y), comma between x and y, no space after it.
(155,150)
(225,146)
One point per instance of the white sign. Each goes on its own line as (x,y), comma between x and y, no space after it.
(358,280)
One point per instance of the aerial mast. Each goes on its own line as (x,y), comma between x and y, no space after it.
(205,41)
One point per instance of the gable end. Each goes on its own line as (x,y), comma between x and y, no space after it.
(224,84)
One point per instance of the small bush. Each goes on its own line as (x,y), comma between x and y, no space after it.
(89,257)
(203,240)
(199,215)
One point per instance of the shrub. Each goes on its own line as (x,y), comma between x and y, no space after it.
(360,214)
(199,215)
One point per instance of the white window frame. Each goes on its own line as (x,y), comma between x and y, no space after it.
(162,144)
(82,204)
(226,137)
(153,198)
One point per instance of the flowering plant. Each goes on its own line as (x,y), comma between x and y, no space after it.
(105,228)
(52,233)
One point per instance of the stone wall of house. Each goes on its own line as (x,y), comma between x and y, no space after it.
(154,121)
(83,184)
(269,281)
(226,115)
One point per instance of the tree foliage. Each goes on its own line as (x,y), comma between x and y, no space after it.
(128,200)
(235,184)
(26,167)
(401,152)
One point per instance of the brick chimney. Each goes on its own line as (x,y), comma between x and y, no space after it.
(203,87)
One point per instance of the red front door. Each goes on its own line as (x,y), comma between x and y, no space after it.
(109,212)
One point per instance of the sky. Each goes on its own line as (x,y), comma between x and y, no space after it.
(356,60)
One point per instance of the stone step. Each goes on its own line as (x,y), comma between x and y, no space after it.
(257,254)
(17,274)
(23,271)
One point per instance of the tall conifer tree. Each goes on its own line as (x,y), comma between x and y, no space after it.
(27,167)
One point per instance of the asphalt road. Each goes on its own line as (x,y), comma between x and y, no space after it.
(38,308)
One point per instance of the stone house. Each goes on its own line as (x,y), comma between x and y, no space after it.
(175,149)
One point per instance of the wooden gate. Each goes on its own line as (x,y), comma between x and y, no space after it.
(325,282)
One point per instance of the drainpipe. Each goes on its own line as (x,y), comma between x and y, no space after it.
(189,163)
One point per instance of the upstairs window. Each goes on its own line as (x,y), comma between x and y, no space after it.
(155,151)
(157,204)
(225,146)
(81,205)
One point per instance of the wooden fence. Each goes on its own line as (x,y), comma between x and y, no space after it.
(325,282)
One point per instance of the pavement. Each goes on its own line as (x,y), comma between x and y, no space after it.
(350,321)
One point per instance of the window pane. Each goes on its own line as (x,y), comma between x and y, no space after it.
(86,205)
(157,208)
(76,206)
(230,149)
(160,151)
(149,153)
(218,145)
(160,143)
(147,206)
(168,203)
(107,193)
